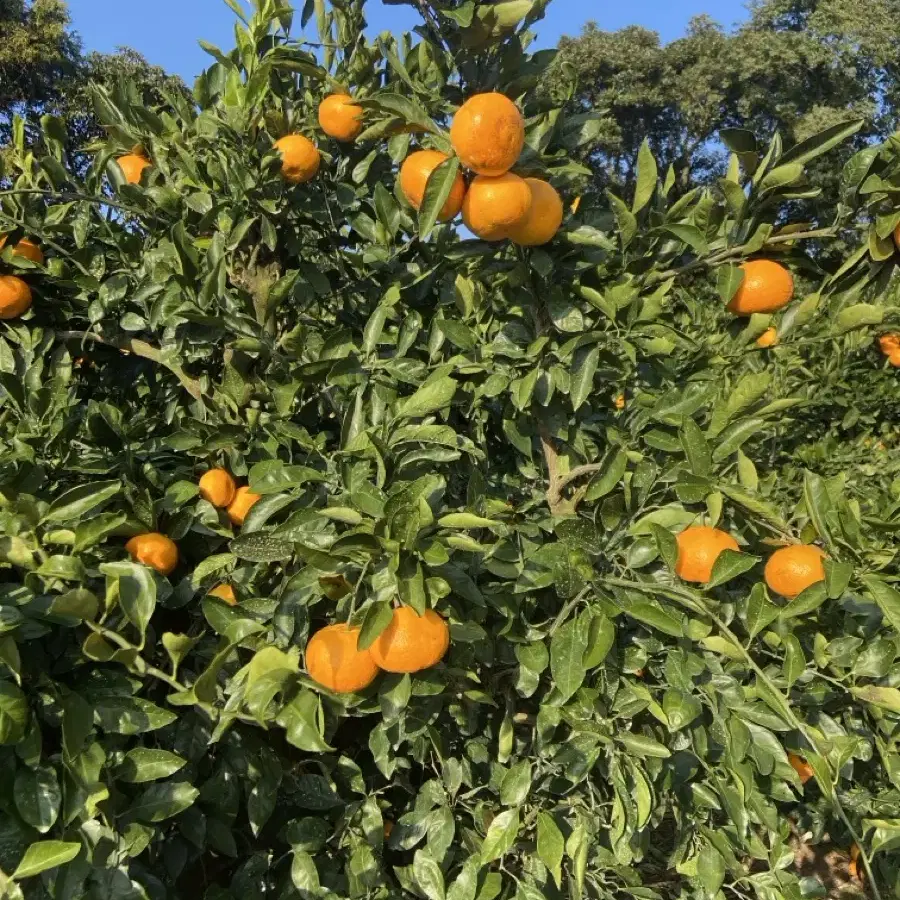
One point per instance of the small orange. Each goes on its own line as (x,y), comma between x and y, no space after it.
(767,286)
(217,487)
(791,570)
(27,249)
(801,767)
(244,498)
(15,296)
(411,642)
(698,549)
(334,660)
(488,133)
(340,118)
(889,343)
(769,338)
(494,206)
(388,828)
(154,550)
(853,865)
(225,592)
(132,166)
(619,402)
(414,175)
(543,219)
(299,158)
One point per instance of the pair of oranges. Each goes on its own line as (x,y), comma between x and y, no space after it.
(788,572)
(15,294)
(218,487)
(410,643)
(487,135)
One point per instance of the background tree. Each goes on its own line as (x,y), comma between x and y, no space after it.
(796,66)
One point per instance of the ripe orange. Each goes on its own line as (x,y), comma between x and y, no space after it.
(154,550)
(27,249)
(887,342)
(543,219)
(698,549)
(853,865)
(619,402)
(791,570)
(15,296)
(132,166)
(488,133)
(340,117)
(224,592)
(493,206)
(767,286)
(334,660)
(299,158)
(217,487)
(240,505)
(801,767)
(769,338)
(414,174)
(411,642)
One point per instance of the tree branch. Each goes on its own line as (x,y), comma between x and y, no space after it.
(557,482)
(138,348)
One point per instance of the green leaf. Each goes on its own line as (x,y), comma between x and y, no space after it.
(567,649)
(858,316)
(550,845)
(883,697)
(434,395)
(501,835)
(710,868)
(781,176)
(613,467)
(466,520)
(647,175)
(821,142)
(582,383)
(761,611)
(887,598)
(642,746)
(38,797)
(437,190)
(45,855)
(79,501)
(428,875)
(516,784)
(261,548)
(695,447)
(13,714)
(163,801)
(137,592)
(729,564)
(143,764)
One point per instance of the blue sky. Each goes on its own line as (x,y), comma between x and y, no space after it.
(166,31)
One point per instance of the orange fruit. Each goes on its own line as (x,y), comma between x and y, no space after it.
(767,286)
(224,592)
(495,205)
(132,166)
(769,338)
(154,550)
(894,359)
(698,549)
(15,296)
(801,767)
(27,249)
(414,174)
(411,642)
(853,865)
(619,402)
(334,660)
(299,158)
(217,487)
(791,570)
(240,505)
(887,342)
(488,133)
(388,828)
(340,117)
(543,219)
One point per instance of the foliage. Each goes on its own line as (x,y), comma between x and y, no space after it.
(432,421)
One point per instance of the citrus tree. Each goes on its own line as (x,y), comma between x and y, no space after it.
(346,554)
